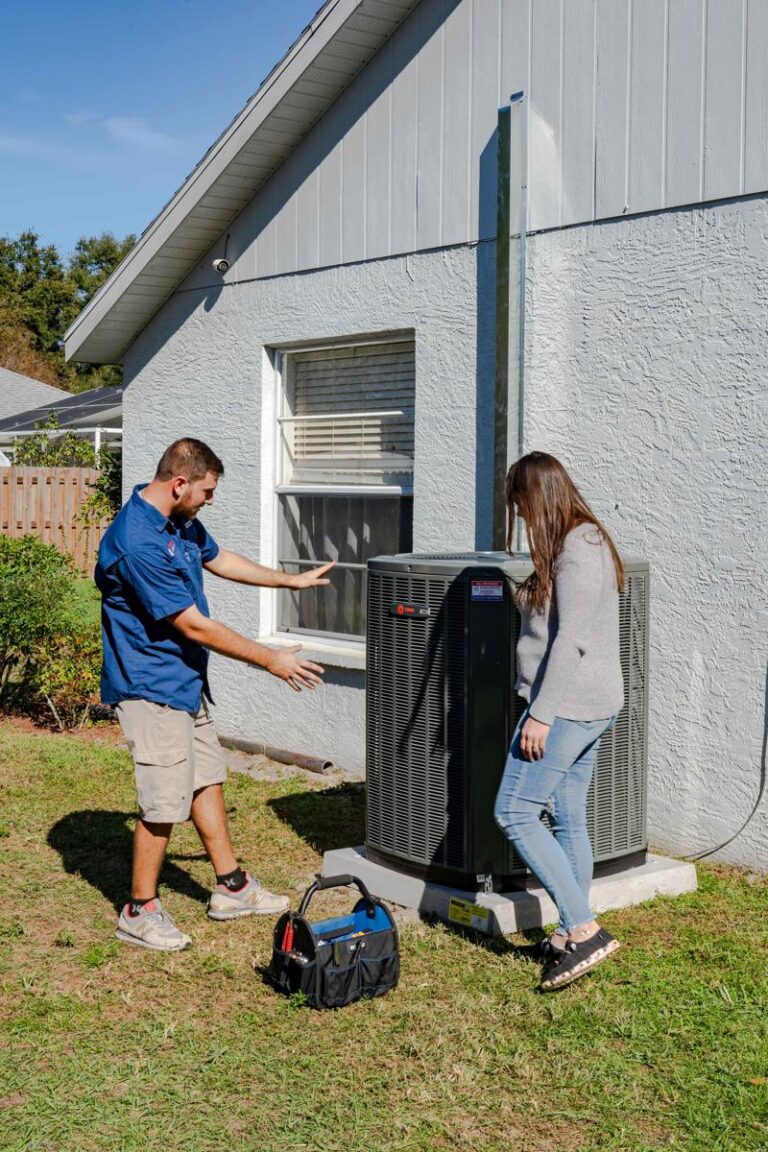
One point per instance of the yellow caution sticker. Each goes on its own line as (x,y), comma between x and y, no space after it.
(469,915)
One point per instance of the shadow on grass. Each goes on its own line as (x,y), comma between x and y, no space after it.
(498,945)
(98,846)
(333,818)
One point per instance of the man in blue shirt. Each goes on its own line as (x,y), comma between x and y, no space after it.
(157,632)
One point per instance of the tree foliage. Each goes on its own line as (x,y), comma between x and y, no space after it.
(17,346)
(94,259)
(45,449)
(41,294)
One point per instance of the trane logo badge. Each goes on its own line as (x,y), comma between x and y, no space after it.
(409,611)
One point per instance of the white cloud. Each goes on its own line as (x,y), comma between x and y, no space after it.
(57,153)
(76,119)
(135,130)
(105,137)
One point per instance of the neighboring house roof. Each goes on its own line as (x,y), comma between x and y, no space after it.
(342,38)
(99,407)
(21,393)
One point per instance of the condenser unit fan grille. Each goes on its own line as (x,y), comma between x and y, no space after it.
(416,775)
(616,804)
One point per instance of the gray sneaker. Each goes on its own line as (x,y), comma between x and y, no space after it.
(251,900)
(152,928)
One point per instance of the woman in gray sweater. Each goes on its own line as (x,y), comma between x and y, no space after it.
(570,675)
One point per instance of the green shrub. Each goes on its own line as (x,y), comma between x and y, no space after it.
(69,667)
(50,639)
(36,597)
(87,601)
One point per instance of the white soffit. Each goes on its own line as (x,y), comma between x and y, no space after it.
(339,42)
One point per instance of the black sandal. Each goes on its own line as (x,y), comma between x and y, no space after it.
(546,952)
(578,959)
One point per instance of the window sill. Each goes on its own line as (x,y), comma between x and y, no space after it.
(321,649)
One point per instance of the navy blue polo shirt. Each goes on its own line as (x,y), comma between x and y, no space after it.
(149,568)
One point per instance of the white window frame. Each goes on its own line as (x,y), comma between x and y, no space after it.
(271,386)
(273,488)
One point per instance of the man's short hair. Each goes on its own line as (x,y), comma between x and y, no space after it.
(189,458)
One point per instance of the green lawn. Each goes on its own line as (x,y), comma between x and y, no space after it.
(107,1048)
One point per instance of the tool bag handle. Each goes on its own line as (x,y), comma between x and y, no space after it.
(323,882)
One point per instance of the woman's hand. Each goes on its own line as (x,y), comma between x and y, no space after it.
(533,739)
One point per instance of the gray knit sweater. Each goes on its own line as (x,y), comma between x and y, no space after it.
(568,655)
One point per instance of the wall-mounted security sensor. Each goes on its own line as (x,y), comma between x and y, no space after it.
(221,265)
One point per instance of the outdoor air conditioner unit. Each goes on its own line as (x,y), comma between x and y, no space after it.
(441,708)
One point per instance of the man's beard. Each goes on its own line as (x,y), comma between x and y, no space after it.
(186,510)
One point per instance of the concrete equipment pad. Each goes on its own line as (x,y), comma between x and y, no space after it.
(502,913)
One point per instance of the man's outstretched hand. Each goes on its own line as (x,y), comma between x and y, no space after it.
(286,665)
(313,578)
(281,662)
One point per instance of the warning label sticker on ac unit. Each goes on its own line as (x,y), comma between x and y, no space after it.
(487,590)
(469,915)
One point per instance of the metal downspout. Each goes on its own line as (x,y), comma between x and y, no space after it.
(511,224)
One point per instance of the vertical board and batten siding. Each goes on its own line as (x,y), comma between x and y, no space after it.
(45,502)
(635,106)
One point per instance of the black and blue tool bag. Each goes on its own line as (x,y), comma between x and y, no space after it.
(335,962)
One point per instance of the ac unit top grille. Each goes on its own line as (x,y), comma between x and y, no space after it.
(516,565)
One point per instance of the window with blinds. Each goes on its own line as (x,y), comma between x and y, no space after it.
(349,415)
(346,484)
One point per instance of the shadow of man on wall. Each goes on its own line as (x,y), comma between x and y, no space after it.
(98,846)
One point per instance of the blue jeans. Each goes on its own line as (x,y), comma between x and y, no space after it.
(561,859)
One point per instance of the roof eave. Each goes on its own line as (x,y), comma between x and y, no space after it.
(100,334)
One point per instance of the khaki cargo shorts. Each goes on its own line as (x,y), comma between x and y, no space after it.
(175,753)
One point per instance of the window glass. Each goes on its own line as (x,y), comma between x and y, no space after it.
(346,429)
(349,529)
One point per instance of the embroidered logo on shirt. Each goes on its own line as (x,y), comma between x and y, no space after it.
(172,546)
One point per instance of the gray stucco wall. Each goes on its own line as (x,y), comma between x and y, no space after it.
(646,373)
(199,368)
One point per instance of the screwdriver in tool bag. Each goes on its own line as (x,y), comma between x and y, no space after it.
(288,935)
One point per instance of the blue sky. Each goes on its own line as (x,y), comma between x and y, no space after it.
(106,107)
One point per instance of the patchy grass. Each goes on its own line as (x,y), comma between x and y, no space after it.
(110,1048)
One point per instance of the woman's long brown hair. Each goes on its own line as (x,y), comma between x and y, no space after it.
(551,505)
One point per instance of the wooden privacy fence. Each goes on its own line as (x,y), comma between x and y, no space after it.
(45,502)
